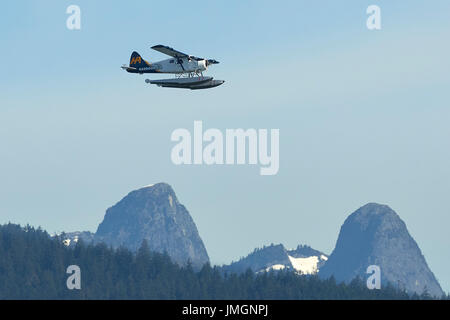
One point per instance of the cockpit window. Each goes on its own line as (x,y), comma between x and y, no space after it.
(171,61)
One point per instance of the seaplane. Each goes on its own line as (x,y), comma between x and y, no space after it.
(188,69)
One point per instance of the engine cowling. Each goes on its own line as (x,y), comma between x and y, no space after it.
(202,65)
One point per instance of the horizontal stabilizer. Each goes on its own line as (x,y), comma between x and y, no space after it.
(128,68)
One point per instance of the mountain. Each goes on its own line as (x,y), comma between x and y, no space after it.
(303,260)
(375,235)
(307,260)
(153,213)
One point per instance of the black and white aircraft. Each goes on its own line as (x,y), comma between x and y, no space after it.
(188,69)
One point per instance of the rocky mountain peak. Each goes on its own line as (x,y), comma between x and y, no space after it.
(154,213)
(375,235)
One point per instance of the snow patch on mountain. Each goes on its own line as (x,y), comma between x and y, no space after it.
(275,267)
(308,265)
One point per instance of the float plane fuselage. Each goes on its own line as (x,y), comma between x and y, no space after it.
(180,64)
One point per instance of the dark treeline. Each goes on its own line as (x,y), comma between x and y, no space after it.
(33,266)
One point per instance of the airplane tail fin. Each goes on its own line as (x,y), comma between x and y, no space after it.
(137,61)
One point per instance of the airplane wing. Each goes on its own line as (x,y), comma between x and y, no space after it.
(170,51)
(178,55)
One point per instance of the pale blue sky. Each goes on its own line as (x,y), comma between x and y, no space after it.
(363,116)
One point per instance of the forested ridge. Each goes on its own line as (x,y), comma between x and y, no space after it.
(33,266)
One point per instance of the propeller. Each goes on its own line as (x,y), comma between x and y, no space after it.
(211,61)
